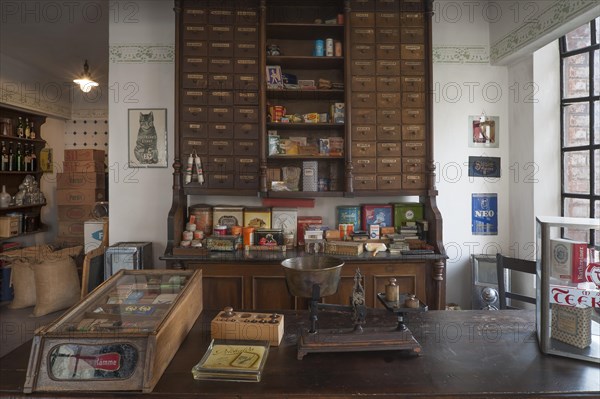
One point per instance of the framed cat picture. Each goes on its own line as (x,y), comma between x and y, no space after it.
(147,137)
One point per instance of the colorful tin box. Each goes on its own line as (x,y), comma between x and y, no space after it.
(349,215)
(228,216)
(257,217)
(380,214)
(407,212)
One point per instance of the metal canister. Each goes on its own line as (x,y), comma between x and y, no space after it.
(338,49)
(329,47)
(392,291)
(349,215)
(204,218)
(220,230)
(248,235)
(319,48)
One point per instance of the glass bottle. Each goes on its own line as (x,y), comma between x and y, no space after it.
(26,159)
(4,198)
(33,134)
(19,158)
(4,164)
(27,129)
(20,128)
(11,158)
(33,167)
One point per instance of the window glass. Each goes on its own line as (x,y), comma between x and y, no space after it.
(577,172)
(576,79)
(579,38)
(576,124)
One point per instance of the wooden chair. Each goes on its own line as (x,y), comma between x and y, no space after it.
(92,274)
(520,265)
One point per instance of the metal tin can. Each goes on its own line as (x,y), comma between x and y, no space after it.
(204,218)
(187,236)
(319,48)
(220,230)
(338,49)
(248,234)
(236,230)
(392,291)
(329,47)
(349,215)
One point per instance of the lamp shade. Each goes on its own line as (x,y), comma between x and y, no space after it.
(85,82)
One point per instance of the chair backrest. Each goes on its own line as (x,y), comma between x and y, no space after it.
(93,270)
(520,265)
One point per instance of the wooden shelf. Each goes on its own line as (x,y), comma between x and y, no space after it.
(17,207)
(306,62)
(23,140)
(305,157)
(304,194)
(43,228)
(303,31)
(19,172)
(306,94)
(196,189)
(305,126)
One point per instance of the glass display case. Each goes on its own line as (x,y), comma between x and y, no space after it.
(121,337)
(568,287)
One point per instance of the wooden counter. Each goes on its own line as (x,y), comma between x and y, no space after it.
(465,354)
(255,280)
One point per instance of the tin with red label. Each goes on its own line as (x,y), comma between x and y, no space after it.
(220,230)
(346,231)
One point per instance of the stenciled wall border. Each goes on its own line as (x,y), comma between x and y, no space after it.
(33,104)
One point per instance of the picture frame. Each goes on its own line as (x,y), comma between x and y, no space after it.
(147,134)
(274,77)
(483,134)
(484,214)
(484,166)
(46,160)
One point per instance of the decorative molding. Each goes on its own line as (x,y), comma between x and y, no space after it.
(33,104)
(99,113)
(461,54)
(556,15)
(141,53)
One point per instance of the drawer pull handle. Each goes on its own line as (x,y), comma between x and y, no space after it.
(364,182)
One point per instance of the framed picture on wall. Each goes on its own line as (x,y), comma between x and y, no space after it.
(484,214)
(147,137)
(484,131)
(484,166)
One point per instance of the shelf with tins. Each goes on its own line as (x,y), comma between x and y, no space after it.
(304,126)
(304,31)
(306,94)
(41,229)
(19,207)
(306,156)
(306,62)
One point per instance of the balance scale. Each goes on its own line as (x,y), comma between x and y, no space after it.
(314,277)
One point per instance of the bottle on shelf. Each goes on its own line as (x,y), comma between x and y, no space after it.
(4,198)
(4,164)
(27,159)
(33,163)
(19,159)
(27,129)
(33,134)
(20,128)
(11,158)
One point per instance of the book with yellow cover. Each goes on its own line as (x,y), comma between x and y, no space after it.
(232,360)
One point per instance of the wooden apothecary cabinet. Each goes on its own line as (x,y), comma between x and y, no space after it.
(121,337)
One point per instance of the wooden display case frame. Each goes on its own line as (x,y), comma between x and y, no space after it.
(155,349)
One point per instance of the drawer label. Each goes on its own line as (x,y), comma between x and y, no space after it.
(246,13)
(389,80)
(194,12)
(219,77)
(389,145)
(247,177)
(363,63)
(413,31)
(413,80)
(221,28)
(194,44)
(388,128)
(221,45)
(195,60)
(362,47)
(245,111)
(223,62)
(246,62)
(246,29)
(246,143)
(387,47)
(389,160)
(414,145)
(364,161)
(220,93)
(363,145)
(246,160)
(388,178)
(221,110)
(388,63)
(362,14)
(194,93)
(364,178)
(247,78)
(221,127)
(194,28)
(413,177)
(246,45)
(195,76)
(413,47)
(363,79)
(194,126)
(413,63)
(220,160)
(363,128)
(415,160)
(221,177)
(220,143)
(221,12)
(195,142)
(388,112)
(364,31)
(195,110)
(249,95)
(388,31)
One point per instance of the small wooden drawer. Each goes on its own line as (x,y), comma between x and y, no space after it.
(194,80)
(220,114)
(389,182)
(388,51)
(246,165)
(364,165)
(413,165)
(413,115)
(194,32)
(387,5)
(412,67)
(364,149)
(245,49)
(194,64)
(362,19)
(412,35)
(388,68)
(413,132)
(246,182)
(193,129)
(194,15)
(364,182)
(388,100)
(220,147)
(412,5)
(220,49)
(387,35)
(412,51)
(387,19)
(413,84)
(389,165)
(388,83)
(362,35)
(194,144)
(245,147)
(413,100)
(389,149)
(246,98)
(194,48)
(362,5)
(362,98)
(364,115)
(193,114)
(220,65)
(246,65)
(413,148)
(220,130)
(194,97)
(411,19)
(221,16)
(362,51)
(246,17)
(389,115)
(413,181)
(220,164)
(246,34)
(220,180)
(246,115)
(363,132)
(389,133)
(363,67)
(245,130)
(363,83)
(220,81)
(246,82)
(219,32)
(220,98)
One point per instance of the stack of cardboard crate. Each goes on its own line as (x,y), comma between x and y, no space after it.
(79,186)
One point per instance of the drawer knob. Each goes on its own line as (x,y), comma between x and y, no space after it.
(219,148)
(364,182)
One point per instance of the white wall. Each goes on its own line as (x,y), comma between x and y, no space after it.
(140,198)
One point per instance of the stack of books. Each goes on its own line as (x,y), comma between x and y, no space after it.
(232,360)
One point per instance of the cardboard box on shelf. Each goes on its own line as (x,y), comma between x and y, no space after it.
(70,229)
(80,180)
(95,233)
(83,166)
(74,213)
(79,197)
(85,155)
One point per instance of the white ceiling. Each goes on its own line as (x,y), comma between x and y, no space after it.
(55,38)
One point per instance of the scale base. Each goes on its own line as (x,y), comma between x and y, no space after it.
(369,339)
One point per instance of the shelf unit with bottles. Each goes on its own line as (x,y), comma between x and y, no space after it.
(13,175)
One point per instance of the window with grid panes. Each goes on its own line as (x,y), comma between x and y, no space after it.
(580,138)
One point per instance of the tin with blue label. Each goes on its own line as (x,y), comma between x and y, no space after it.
(319,48)
(349,215)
